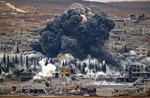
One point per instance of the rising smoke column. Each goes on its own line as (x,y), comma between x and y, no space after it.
(76,31)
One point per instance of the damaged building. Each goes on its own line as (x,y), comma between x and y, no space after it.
(134,72)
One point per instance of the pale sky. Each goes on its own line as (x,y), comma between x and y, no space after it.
(114,0)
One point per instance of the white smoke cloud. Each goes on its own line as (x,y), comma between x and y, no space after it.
(69,57)
(100,74)
(146,61)
(110,83)
(90,60)
(46,70)
(132,52)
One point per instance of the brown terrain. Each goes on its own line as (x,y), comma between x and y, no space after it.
(69,97)
(40,10)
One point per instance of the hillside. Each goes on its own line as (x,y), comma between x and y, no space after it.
(40,10)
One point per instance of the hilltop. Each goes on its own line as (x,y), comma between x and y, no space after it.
(40,10)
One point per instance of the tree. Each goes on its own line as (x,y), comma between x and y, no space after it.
(46,62)
(5,68)
(91,66)
(16,59)
(13,59)
(66,63)
(79,66)
(4,59)
(10,65)
(17,49)
(21,60)
(51,61)
(27,62)
(75,64)
(63,64)
(98,66)
(83,68)
(8,59)
(104,68)
(125,50)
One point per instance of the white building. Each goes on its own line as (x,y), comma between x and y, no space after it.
(142,51)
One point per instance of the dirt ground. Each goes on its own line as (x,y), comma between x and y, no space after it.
(71,97)
(40,10)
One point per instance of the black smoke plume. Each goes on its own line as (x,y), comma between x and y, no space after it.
(78,32)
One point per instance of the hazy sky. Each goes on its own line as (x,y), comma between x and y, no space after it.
(114,0)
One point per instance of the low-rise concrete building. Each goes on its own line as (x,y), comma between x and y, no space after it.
(134,72)
(142,51)
(64,72)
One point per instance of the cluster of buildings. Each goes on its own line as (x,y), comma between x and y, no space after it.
(10,41)
(66,82)
(63,82)
(132,33)
(134,72)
